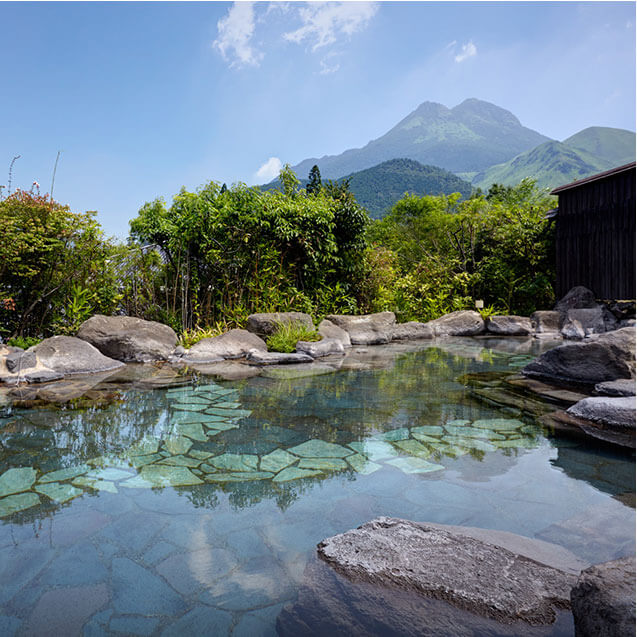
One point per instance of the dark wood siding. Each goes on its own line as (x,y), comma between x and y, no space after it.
(595,237)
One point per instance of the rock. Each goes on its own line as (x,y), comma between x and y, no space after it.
(18,361)
(69,355)
(411,330)
(366,329)
(627,323)
(233,344)
(603,600)
(179,351)
(623,310)
(265,324)
(330,604)
(546,322)
(576,298)
(327,329)
(509,325)
(610,356)
(573,331)
(463,568)
(129,339)
(460,323)
(591,319)
(622,387)
(325,347)
(257,357)
(610,411)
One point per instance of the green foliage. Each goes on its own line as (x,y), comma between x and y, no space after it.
(23,341)
(189,337)
(45,252)
(441,253)
(487,311)
(229,254)
(287,335)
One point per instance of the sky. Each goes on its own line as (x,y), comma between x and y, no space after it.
(143,98)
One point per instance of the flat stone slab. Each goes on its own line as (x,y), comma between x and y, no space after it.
(16,480)
(20,502)
(484,577)
(256,357)
(320,449)
(621,387)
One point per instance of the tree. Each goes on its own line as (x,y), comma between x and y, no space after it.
(314,183)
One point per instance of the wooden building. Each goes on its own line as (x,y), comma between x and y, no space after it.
(595,234)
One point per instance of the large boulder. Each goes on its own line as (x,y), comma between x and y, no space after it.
(129,339)
(233,344)
(608,357)
(612,411)
(52,359)
(576,298)
(266,323)
(460,323)
(493,574)
(366,329)
(71,355)
(509,325)
(412,330)
(327,329)
(603,601)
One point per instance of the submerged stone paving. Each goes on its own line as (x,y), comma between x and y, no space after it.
(197,415)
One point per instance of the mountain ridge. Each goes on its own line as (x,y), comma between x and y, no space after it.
(471,136)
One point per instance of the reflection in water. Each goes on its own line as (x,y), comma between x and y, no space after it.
(223,489)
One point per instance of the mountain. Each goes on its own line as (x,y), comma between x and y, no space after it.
(467,138)
(554,163)
(377,189)
(615,145)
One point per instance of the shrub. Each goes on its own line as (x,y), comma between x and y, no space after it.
(288,335)
(23,341)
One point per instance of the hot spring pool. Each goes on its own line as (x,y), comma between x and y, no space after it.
(195,509)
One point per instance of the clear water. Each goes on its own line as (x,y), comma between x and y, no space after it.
(195,509)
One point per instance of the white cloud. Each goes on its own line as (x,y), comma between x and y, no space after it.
(324,22)
(235,33)
(468,50)
(269,170)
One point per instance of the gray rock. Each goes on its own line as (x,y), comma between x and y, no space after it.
(622,387)
(69,355)
(18,361)
(606,410)
(576,298)
(129,339)
(623,310)
(460,323)
(366,329)
(465,571)
(179,351)
(332,605)
(609,357)
(627,323)
(324,347)
(327,329)
(603,600)
(265,324)
(509,325)
(546,322)
(573,330)
(411,330)
(257,357)
(42,376)
(591,319)
(233,344)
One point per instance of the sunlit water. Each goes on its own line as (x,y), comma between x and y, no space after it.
(195,509)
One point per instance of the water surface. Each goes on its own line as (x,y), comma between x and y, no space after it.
(196,509)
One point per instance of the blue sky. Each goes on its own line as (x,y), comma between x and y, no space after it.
(143,98)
